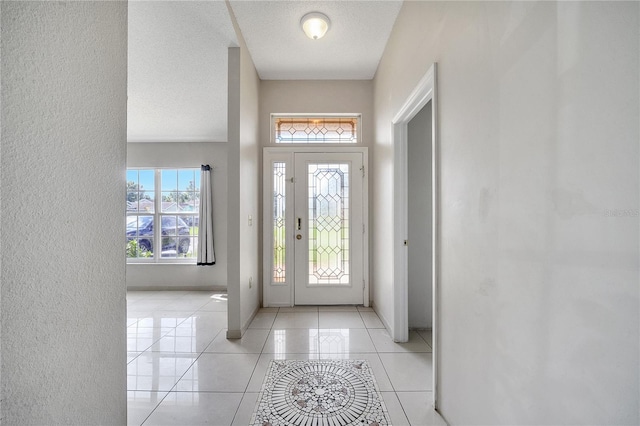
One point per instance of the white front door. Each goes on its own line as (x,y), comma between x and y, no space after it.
(328,245)
(314,227)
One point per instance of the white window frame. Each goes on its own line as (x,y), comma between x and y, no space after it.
(157,218)
(274,116)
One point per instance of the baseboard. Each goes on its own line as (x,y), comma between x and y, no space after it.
(234,334)
(237,334)
(382,318)
(175,288)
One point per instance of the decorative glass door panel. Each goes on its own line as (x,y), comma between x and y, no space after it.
(328,245)
(279,222)
(328,226)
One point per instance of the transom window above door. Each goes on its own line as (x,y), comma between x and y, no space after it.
(315,129)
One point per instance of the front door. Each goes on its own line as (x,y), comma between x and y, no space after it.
(315,217)
(328,228)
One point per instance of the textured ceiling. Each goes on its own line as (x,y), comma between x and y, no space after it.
(350,50)
(178,55)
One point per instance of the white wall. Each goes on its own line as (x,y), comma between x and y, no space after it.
(1,221)
(243,188)
(419,219)
(185,276)
(313,97)
(64,104)
(538,118)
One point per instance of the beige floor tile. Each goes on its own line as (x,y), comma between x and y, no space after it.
(383,342)
(245,410)
(296,320)
(196,408)
(408,371)
(344,340)
(263,320)
(157,371)
(218,373)
(191,374)
(252,342)
(394,408)
(418,407)
(140,404)
(371,320)
(340,320)
(292,341)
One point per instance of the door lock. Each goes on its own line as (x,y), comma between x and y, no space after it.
(298,237)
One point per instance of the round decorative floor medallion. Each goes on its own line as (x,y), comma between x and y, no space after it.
(331,392)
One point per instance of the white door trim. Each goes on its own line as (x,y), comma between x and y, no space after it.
(286,154)
(424,92)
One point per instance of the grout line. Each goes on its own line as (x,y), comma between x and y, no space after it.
(233,419)
(211,342)
(154,408)
(259,356)
(183,374)
(395,392)
(255,367)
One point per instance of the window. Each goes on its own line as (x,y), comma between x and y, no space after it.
(309,129)
(279,222)
(170,197)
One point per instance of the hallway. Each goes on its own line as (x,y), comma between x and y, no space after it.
(183,371)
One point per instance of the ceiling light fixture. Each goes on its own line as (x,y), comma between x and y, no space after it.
(315,25)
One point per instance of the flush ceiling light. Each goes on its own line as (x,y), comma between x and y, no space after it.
(315,25)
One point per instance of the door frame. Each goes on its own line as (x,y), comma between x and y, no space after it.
(270,154)
(425,91)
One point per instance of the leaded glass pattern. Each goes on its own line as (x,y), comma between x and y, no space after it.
(279,228)
(309,130)
(328,224)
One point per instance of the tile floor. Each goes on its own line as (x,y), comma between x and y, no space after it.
(183,371)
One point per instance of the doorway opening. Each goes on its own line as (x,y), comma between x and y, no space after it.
(416,272)
(419,220)
(315,229)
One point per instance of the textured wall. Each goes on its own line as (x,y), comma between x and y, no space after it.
(177,82)
(185,154)
(539,129)
(64,70)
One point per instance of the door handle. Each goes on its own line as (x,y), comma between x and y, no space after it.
(299,224)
